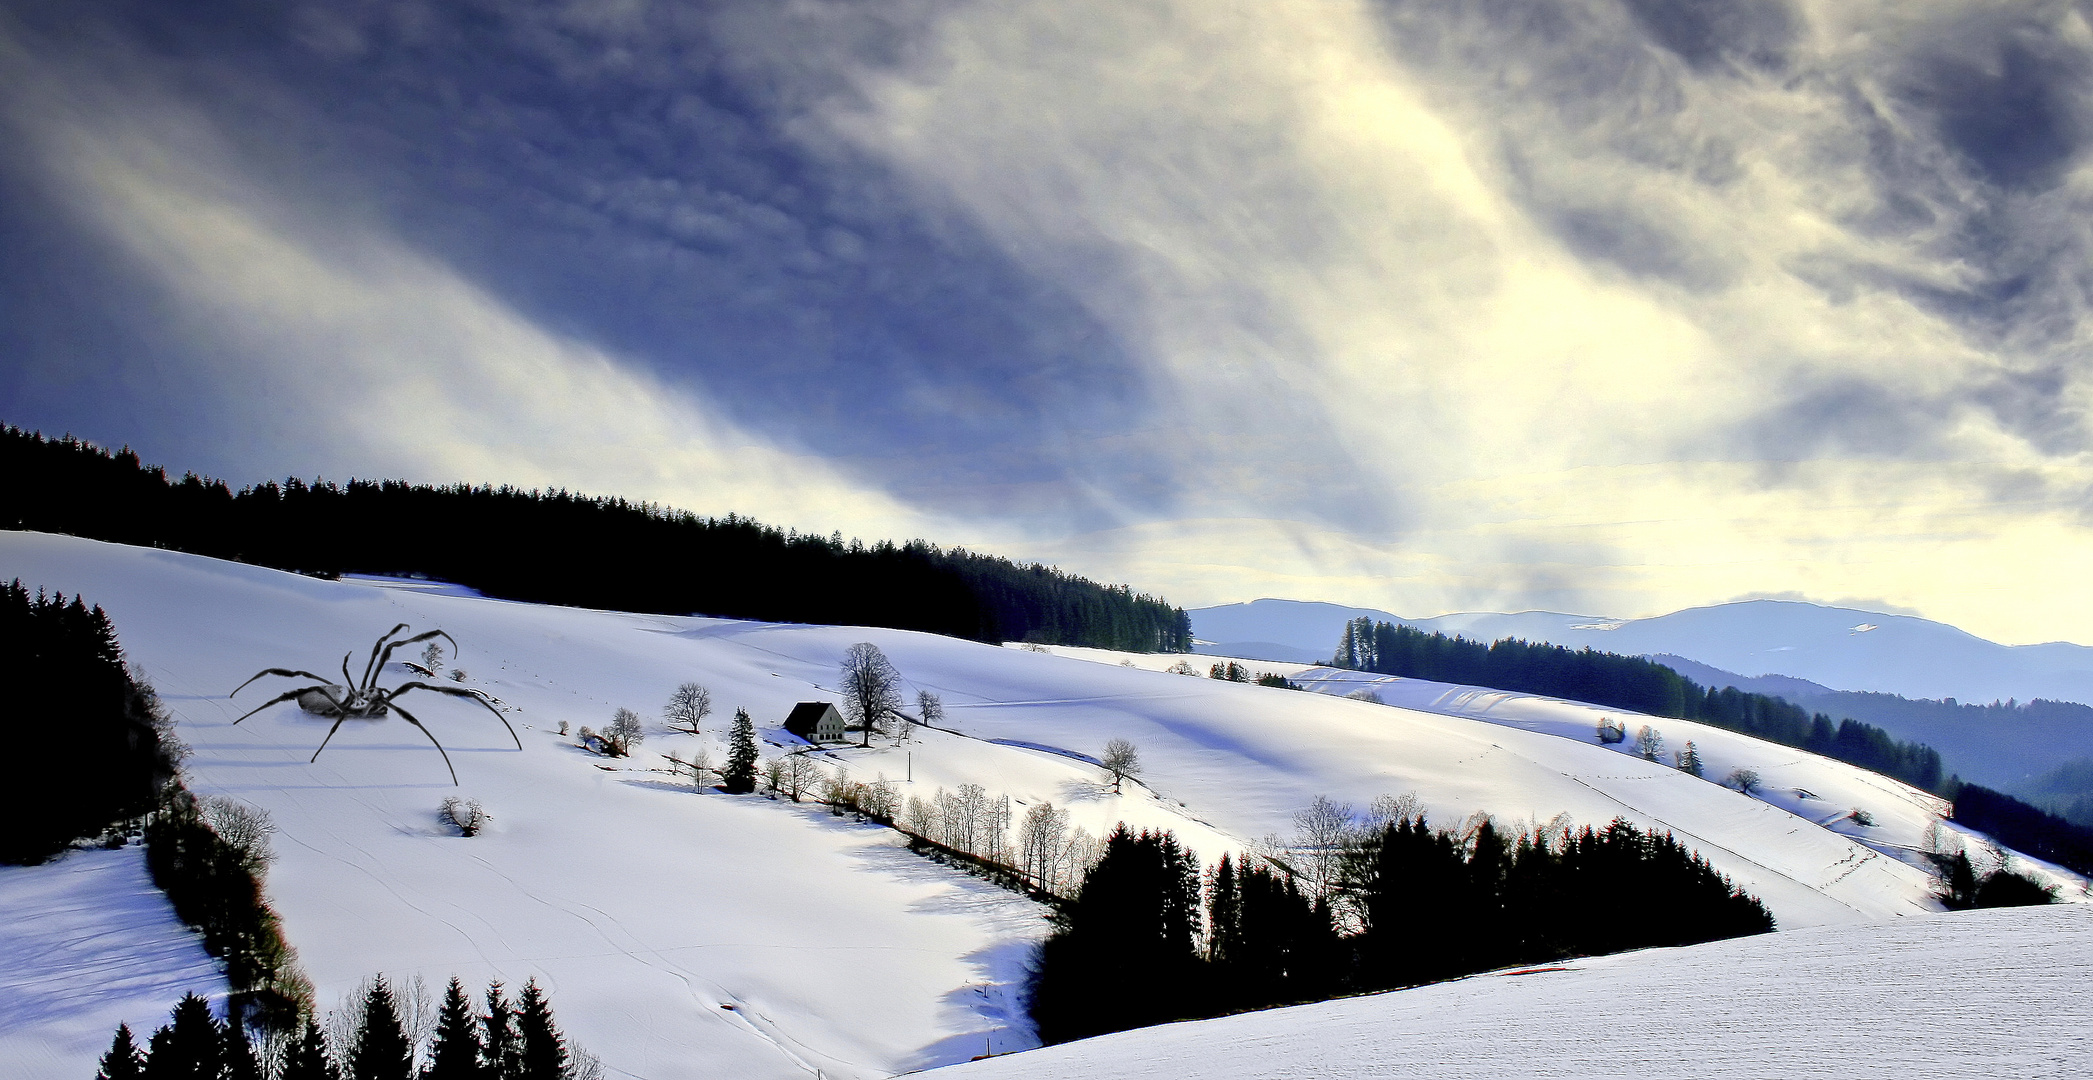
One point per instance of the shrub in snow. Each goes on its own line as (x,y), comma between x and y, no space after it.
(592,742)
(1861,817)
(457,674)
(465,815)
(1610,732)
(1366,694)
(1183,667)
(563,727)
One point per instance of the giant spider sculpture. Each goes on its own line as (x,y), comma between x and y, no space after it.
(365,699)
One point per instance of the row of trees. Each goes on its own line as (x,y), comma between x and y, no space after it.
(512,543)
(1627,682)
(68,687)
(1402,905)
(377,1035)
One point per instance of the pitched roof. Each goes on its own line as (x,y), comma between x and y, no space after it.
(805,715)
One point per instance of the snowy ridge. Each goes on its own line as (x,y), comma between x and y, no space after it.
(689,935)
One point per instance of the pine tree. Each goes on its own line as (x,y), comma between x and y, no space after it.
(123,1061)
(502,1050)
(1690,759)
(455,1054)
(188,1049)
(544,1050)
(739,777)
(307,1058)
(381,1050)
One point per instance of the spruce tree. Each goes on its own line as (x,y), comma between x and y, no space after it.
(239,1059)
(455,1054)
(544,1050)
(381,1050)
(501,1052)
(188,1048)
(307,1058)
(123,1061)
(739,777)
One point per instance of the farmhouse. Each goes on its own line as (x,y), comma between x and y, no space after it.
(816,722)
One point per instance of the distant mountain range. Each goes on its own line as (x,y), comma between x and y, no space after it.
(1836,648)
(1919,680)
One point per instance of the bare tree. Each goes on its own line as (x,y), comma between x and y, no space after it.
(246,829)
(774,774)
(1745,779)
(625,732)
(697,768)
(1041,841)
(878,800)
(465,815)
(930,707)
(871,687)
(1649,743)
(1321,833)
(1388,810)
(801,774)
(1365,693)
(1122,760)
(920,817)
(687,708)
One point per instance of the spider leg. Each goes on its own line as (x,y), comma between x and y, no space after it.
(409,717)
(457,692)
(409,641)
(371,666)
(276,671)
(287,697)
(330,737)
(346,681)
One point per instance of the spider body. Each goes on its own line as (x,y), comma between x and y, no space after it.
(364,699)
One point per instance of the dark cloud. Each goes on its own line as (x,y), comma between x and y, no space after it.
(647,178)
(2008,97)
(1711,33)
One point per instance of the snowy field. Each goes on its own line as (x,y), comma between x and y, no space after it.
(1975,994)
(701,935)
(88,943)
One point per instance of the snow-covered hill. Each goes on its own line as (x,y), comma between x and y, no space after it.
(1843,648)
(694,935)
(1975,994)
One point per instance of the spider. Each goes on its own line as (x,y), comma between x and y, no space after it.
(366,699)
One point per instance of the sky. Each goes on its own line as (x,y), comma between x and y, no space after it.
(1603,306)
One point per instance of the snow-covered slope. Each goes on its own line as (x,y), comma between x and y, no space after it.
(1843,648)
(1975,994)
(703,935)
(88,943)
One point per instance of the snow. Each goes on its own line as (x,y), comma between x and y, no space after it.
(88,943)
(1975,994)
(684,934)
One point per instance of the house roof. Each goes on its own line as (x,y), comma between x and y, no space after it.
(806,715)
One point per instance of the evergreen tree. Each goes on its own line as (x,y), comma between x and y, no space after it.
(307,1058)
(190,1047)
(457,1049)
(502,1050)
(1134,927)
(239,1059)
(739,777)
(544,1050)
(381,1050)
(1690,759)
(123,1061)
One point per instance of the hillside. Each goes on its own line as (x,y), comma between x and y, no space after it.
(1840,648)
(1973,995)
(685,934)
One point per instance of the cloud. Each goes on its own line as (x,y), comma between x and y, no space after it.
(352,347)
(1608,306)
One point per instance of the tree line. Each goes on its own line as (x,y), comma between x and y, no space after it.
(1628,682)
(1151,939)
(376,1035)
(559,547)
(70,693)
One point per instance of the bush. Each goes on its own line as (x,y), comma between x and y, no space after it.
(465,815)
